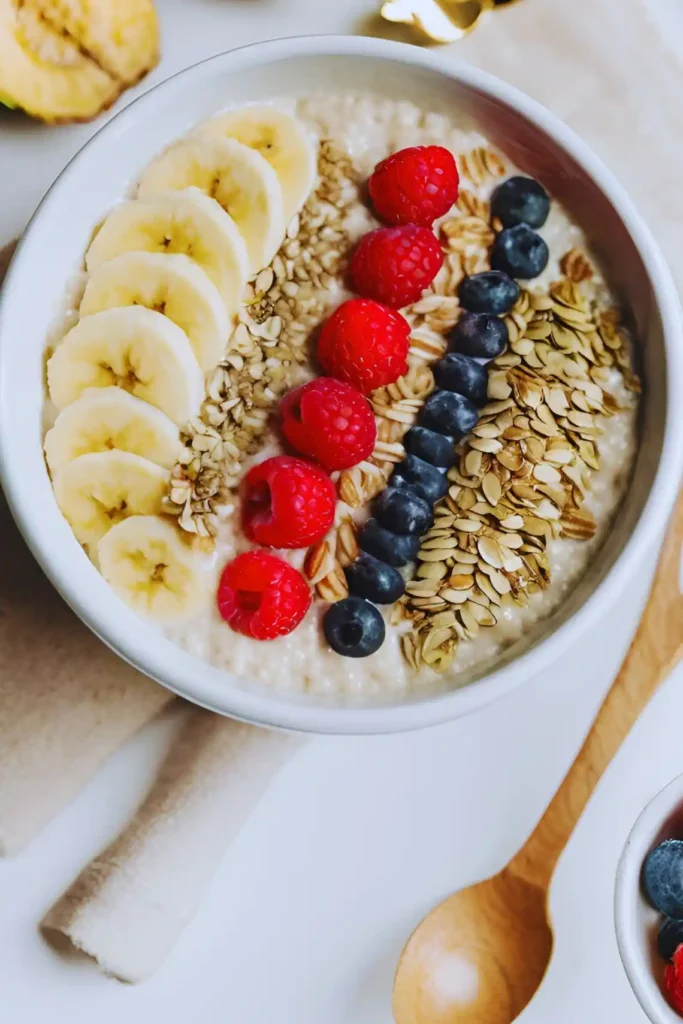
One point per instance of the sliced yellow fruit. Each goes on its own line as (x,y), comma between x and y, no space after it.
(170,284)
(66,60)
(131,348)
(106,418)
(152,569)
(99,490)
(237,177)
(185,222)
(281,139)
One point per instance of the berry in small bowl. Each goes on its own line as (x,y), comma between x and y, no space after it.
(649,906)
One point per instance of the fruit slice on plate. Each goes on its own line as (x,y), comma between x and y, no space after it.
(170,284)
(152,569)
(106,418)
(185,222)
(68,61)
(281,139)
(98,490)
(237,177)
(132,348)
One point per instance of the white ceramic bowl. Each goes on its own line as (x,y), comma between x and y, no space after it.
(539,143)
(636,922)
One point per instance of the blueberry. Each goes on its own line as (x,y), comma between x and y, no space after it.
(374,580)
(450,414)
(520,252)
(663,878)
(462,374)
(354,628)
(401,510)
(490,292)
(393,548)
(669,939)
(435,448)
(520,200)
(481,335)
(426,480)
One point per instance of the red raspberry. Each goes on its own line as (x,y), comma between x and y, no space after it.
(414,186)
(395,265)
(329,421)
(365,344)
(673,981)
(288,503)
(262,596)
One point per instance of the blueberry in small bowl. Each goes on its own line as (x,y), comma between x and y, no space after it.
(648,906)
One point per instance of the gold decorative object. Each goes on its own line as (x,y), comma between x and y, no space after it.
(442,21)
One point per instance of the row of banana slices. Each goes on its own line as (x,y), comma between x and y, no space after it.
(166,273)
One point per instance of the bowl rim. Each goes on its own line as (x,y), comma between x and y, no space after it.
(192,678)
(626,890)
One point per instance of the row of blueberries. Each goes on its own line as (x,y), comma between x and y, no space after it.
(403,512)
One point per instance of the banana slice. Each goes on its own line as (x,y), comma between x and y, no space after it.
(239,178)
(185,222)
(131,348)
(152,569)
(106,418)
(281,139)
(98,490)
(67,60)
(170,284)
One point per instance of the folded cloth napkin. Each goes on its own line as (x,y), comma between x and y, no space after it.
(128,906)
(602,66)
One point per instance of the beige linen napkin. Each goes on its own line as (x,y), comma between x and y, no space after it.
(602,66)
(129,905)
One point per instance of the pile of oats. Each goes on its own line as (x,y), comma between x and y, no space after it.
(522,475)
(269,345)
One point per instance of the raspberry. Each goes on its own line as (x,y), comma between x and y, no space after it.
(329,421)
(262,596)
(365,344)
(288,503)
(414,186)
(673,981)
(395,265)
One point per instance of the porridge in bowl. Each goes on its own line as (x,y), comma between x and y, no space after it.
(347,403)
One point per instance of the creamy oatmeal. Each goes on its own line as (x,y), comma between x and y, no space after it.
(533,488)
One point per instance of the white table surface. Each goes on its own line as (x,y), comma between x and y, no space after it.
(358,838)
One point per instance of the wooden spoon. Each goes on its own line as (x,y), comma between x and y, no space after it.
(480,956)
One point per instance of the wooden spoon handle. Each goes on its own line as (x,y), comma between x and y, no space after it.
(655,650)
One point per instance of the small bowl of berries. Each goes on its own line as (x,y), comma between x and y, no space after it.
(649,906)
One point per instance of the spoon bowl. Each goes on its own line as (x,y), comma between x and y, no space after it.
(460,966)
